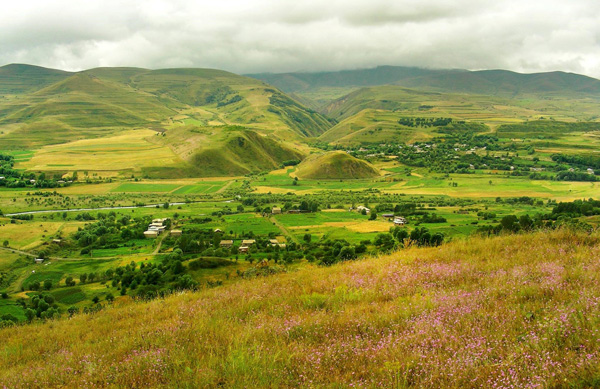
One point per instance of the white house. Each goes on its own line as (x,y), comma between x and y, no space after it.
(361,208)
(400,221)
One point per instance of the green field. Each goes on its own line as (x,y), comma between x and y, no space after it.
(130,187)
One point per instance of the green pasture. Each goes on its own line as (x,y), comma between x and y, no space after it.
(201,188)
(241,223)
(10,307)
(69,296)
(145,188)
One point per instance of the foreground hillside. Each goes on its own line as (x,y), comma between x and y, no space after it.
(514,311)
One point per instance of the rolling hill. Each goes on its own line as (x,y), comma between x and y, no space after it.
(103,103)
(335,165)
(371,115)
(18,79)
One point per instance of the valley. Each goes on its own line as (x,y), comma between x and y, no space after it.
(120,186)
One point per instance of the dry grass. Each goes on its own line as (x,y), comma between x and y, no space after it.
(27,236)
(126,151)
(517,311)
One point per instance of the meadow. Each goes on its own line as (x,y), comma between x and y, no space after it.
(512,311)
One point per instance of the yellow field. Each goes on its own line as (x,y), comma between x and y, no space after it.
(129,151)
(357,226)
(27,236)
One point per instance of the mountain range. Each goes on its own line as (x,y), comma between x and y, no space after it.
(218,123)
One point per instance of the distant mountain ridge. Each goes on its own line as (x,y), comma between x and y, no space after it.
(490,82)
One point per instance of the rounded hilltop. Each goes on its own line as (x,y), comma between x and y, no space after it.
(335,165)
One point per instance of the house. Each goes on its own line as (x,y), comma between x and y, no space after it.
(57,241)
(590,171)
(176,232)
(39,260)
(226,243)
(161,221)
(361,208)
(243,249)
(248,242)
(400,221)
(276,211)
(218,230)
(388,215)
(2,178)
(151,234)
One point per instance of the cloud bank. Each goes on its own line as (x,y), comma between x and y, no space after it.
(304,35)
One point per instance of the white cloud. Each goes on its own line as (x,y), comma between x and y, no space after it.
(282,35)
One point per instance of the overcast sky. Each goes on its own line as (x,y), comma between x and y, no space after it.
(303,35)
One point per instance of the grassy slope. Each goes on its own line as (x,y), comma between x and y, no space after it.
(335,165)
(223,151)
(19,79)
(370,115)
(80,107)
(514,311)
(108,102)
(243,152)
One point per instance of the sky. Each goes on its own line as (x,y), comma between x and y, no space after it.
(254,36)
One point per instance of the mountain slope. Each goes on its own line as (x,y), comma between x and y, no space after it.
(106,99)
(381,75)
(476,313)
(326,86)
(20,78)
(507,83)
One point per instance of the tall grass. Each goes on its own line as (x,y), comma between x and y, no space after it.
(514,311)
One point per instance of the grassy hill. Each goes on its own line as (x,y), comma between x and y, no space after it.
(371,115)
(79,107)
(19,79)
(242,152)
(105,103)
(517,310)
(335,165)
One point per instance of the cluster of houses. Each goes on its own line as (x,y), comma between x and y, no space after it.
(157,227)
(398,220)
(247,243)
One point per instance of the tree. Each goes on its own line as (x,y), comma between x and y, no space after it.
(110,297)
(35,285)
(525,222)
(29,314)
(5,243)
(347,253)
(307,238)
(48,284)
(96,299)
(373,216)
(70,281)
(83,278)
(510,223)
(72,311)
